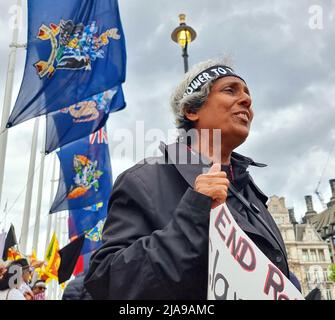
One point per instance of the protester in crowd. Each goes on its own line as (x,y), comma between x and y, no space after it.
(34,265)
(39,289)
(11,282)
(25,279)
(155,239)
(3,268)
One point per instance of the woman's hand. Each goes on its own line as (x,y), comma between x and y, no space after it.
(29,295)
(213,184)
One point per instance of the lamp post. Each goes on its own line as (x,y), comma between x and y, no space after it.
(183,35)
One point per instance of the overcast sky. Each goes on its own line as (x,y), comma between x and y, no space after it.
(284,50)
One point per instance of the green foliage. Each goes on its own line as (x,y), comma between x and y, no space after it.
(332,272)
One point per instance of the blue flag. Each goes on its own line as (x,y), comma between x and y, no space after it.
(83,220)
(86,176)
(76,49)
(81,119)
(88,221)
(93,237)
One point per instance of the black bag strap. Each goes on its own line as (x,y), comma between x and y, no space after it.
(255,211)
(250,206)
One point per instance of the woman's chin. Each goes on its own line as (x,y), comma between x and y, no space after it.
(242,132)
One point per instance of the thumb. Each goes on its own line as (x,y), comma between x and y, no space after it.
(216,167)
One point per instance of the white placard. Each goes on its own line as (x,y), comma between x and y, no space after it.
(238,269)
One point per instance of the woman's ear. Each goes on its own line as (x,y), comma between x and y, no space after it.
(191,115)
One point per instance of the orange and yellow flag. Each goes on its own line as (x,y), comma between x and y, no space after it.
(33,257)
(13,254)
(52,259)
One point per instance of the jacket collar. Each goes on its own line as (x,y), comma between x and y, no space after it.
(190,163)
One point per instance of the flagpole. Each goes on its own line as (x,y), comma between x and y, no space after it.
(52,223)
(50,216)
(8,98)
(64,231)
(5,213)
(30,181)
(39,197)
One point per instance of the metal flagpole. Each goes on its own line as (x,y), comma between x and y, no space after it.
(30,181)
(50,216)
(63,233)
(8,98)
(52,223)
(5,212)
(39,197)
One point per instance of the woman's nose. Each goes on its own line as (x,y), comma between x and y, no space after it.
(245,100)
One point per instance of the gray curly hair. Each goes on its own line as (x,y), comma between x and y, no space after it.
(181,103)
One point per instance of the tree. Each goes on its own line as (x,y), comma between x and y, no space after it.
(332,272)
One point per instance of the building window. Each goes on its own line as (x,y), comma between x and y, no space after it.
(321,255)
(279,220)
(304,255)
(329,294)
(325,275)
(313,255)
(325,231)
(283,233)
(316,275)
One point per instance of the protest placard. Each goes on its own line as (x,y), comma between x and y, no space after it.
(238,269)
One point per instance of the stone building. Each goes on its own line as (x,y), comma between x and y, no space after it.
(324,222)
(308,254)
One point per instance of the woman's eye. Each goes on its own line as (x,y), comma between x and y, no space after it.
(228,89)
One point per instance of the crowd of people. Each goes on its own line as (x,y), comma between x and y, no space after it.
(19,282)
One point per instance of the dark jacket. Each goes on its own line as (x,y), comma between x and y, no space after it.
(155,239)
(75,290)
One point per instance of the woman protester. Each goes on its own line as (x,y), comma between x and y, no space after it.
(155,239)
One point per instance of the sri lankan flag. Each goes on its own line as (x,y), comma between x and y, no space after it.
(33,258)
(52,259)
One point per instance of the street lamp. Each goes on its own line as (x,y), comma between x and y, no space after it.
(183,35)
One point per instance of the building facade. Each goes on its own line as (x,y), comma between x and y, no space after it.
(324,222)
(309,257)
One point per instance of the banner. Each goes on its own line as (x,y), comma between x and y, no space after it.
(82,265)
(82,220)
(86,177)
(238,269)
(82,118)
(93,237)
(69,256)
(14,254)
(75,49)
(88,221)
(10,242)
(52,258)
